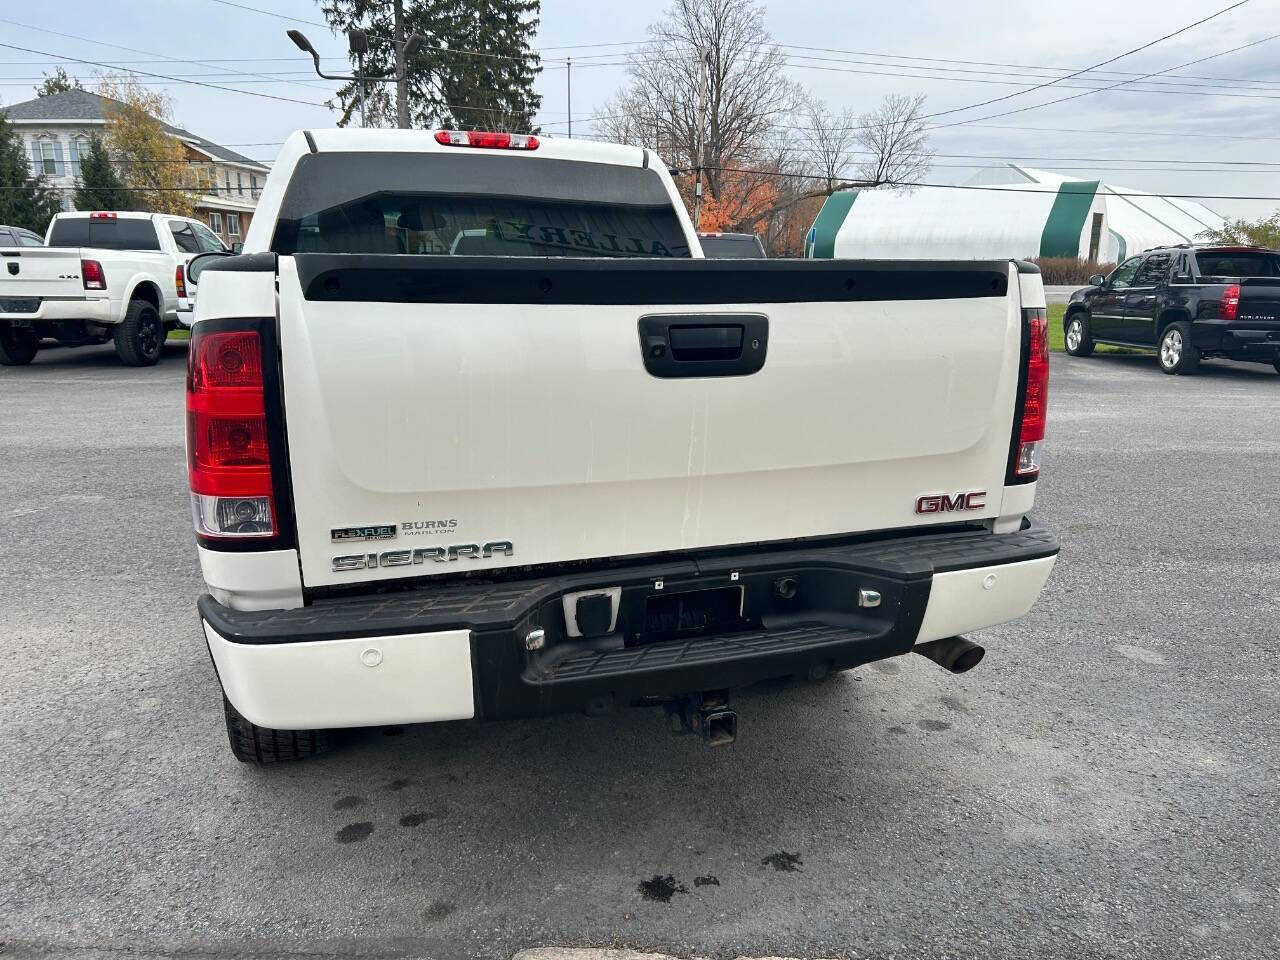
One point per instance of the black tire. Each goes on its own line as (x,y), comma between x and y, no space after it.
(1176,352)
(1276,363)
(140,338)
(251,743)
(17,347)
(1084,346)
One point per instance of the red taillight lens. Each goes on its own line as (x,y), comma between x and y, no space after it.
(492,141)
(1035,403)
(1230,303)
(228,454)
(92,276)
(102,216)
(180,280)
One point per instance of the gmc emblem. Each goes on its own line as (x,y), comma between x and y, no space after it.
(941,503)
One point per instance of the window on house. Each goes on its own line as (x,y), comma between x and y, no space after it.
(215,222)
(227,176)
(79,150)
(239,182)
(48,160)
(233,224)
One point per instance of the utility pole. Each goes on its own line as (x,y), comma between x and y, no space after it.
(358,42)
(568,79)
(704,68)
(402,80)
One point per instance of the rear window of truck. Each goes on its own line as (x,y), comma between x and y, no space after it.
(122,233)
(1244,263)
(445,205)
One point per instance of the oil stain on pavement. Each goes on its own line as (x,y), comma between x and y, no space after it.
(661,888)
(783,862)
(355,832)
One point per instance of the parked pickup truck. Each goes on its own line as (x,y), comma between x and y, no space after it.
(589,468)
(103,276)
(1187,303)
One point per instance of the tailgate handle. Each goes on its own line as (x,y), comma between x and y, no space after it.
(717,345)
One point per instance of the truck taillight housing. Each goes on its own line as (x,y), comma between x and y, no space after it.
(180,280)
(228,453)
(1230,306)
(91,275)
(1029,427)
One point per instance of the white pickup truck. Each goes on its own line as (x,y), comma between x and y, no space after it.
(106,275)
(581,466)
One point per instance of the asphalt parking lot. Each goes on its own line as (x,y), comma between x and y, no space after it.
(1104,785)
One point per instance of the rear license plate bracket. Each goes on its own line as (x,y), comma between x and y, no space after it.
(668,616)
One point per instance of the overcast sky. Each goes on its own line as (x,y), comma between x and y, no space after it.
(1225,111)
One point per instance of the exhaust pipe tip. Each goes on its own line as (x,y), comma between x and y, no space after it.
(955,654)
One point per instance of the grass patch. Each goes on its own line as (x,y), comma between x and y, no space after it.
(1057,334)
(182,333)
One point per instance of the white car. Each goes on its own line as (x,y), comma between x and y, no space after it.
(589,467)
(104,275)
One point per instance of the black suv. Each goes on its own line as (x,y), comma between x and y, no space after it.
(1187,303)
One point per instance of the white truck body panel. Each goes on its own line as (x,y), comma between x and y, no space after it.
(53,274)
(557,439)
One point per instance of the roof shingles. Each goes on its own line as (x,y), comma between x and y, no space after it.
(73,105)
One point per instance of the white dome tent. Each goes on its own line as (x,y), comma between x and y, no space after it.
(1006,211)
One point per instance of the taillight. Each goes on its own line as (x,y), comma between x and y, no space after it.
(103,216)
(1230,306)
(492,141)
(1035,396)
(228,457)
(92,276)
(180,280)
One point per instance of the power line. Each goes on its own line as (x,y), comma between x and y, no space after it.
(964,186)
(990,63)
(1104,63)
(116,46)
(1037,106)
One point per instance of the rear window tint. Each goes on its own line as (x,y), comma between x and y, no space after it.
(441,205)
(1243,264)
(124,233)
(732,248)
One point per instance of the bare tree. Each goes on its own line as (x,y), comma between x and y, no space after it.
(830,141)
(896,136)
(747,92)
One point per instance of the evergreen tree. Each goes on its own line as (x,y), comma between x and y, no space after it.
(475,69)
(495,92)
(25,201)
(58,82)
(100,186)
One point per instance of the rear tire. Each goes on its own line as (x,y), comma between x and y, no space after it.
(140,338)
(1178,355)
(1276,363)
(1077,336)
(251,743)
(17,347)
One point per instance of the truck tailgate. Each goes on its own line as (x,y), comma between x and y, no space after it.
(458,402)
(38,273)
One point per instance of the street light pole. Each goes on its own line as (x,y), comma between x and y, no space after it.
(568,74)
(358,42)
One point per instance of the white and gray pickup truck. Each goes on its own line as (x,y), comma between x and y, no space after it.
(579,466)
(103,276)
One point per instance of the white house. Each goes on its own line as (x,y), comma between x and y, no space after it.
(56,130)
